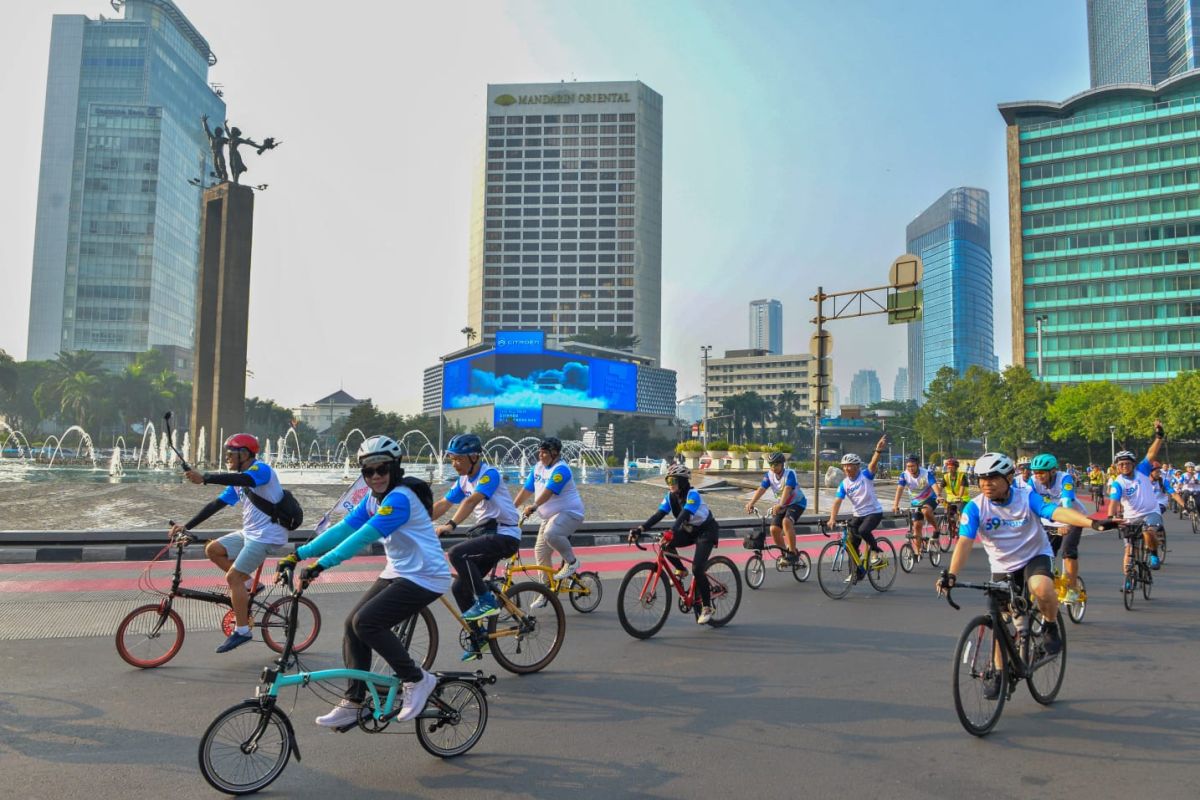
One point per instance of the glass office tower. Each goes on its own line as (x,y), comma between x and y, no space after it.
(1104,216)
(1141,41)
(117,235)
(953,239)
(766,326)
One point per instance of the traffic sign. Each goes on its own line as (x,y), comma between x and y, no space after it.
(821,344)
(905,272)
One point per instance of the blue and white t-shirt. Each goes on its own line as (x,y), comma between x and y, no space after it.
(777,483)
(256,525)
(919,486)
(1011,532)
(693,503)
(861,492)
(1060,492)
(413,549)
(497,503)
(1189,481)
(558,479)
(1136,492)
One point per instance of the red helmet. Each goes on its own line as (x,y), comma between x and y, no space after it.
(244,441)
(951,462)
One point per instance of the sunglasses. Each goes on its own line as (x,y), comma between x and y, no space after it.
(671,481)
(382,470)
(233,451)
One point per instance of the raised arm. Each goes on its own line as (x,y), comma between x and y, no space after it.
(879,447)
(1157,443)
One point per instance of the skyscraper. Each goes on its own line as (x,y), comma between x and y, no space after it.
(1142,41)
(568,233)
(766,326)
(953,239)
(118,226)
(900,390)
(864,388)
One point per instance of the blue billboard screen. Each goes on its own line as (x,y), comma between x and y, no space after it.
(518,383)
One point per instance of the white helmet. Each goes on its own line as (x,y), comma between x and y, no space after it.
(678,471)
(991,464)
(1190,465)
(851,458)
(380,446)
(1125,455)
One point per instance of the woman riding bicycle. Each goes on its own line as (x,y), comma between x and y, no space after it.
(694,524)
(397,511)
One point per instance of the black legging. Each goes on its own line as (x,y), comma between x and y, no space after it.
(369,627)
(475,558)
(705,538)
(861,527)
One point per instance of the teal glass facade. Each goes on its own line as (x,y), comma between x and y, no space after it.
(1109,229)
(118,225)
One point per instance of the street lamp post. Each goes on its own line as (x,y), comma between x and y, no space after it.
(1038,321)
(985,447)
(704,348)
(1112,443)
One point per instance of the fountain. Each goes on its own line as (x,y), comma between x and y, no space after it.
(201,447)
(151,454)
(115,469)
(85,444)
(16,437)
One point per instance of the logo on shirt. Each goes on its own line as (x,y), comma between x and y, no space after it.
(384,511)
(253,468)
(557,478)
(486,479)
(995,522)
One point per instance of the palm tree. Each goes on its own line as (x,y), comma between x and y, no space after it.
(80,396)
(49,393)
(470,333)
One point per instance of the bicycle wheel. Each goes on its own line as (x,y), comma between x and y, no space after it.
(274,624)
(643,601)
(947,539)
(523,639)
(834,567)
(725,588)
(1046,672)
(419,635)
(149,636)
(585,591)
(1128,588)
(456,731)
(803,567)
(935,555)
(977,676)
(1161,550)
(230,763)
(908,559)
(883,576)
(1147,582)
(756,571)
(1195,522)
(1076,610)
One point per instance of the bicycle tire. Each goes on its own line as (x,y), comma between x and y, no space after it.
(974,667)
(908,558)
(1128,588)
(274,624)
(1076,610)
(534,643)
(833,566)
(935,555)
(647,611)
(756,571)
(585,592)
(419,636)
(803,568)
(1161,549)
(725,587)
(947,540)
(234,725)
(150,636)
(471,709)
(883,577)
(1046,679)
(1147,581)
(1195,522)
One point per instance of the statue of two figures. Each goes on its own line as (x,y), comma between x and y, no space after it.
(232,137)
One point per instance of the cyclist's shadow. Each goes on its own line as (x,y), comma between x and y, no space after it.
(550,776)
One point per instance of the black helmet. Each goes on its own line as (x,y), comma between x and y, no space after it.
(551,443)
(912,458)
(777,458)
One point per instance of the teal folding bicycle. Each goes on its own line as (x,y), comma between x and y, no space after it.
(248,745)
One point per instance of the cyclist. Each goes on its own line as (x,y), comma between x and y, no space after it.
(557,502)
(956,490)
(1131,496)
(859,486)
(789,506)
(1058,487)
(1159,483)
(1007,520)
(1189,484)
(495,535)
(1025,474)
(416,573)
(240,553)
(694,524)
(1096,481)
(922,489)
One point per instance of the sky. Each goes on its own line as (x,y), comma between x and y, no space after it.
(800,138)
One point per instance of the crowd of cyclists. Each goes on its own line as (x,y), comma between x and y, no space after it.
(1025,512)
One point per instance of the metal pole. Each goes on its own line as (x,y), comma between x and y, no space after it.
(817,404)
(704,348)
(1112,443)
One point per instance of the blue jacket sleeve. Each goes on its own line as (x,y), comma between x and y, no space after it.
(968,526)
(329,539)
(529,482)
(350,547)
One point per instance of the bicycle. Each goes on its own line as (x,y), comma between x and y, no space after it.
(248,745)
(1191,511)
(948,527)
(908,554)
(583,589)
(998,650)
(755,567)
(152,634)
(1076,610)
(644,603)
(1137,570)
(837,558)
(1098,495)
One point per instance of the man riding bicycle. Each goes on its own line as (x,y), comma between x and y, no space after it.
(790,503)
(1058,487)
(922,489)
(694,524)
(1097,481)
(859,486)
(1008,521)
(1189,484)
(556,500)
(956,490)
(1132,498)
(1024,474)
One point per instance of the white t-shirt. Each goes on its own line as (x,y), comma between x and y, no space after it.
(1012,532)
(861,492)
(558,479)
(1135,492)
(256,525)
(1061,492)
(497,503)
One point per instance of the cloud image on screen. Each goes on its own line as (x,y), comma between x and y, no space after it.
(566,386)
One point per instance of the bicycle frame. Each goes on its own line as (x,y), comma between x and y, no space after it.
(663,567)
(1001,600)
(515,611)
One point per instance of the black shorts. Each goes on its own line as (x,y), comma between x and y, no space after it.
(1066,539)
(931,502)
(1038,565)
(792,512)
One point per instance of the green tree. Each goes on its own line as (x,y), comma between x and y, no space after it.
(1083,413)
(1019,420)
(49,393)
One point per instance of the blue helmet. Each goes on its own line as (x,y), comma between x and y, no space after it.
(465,444)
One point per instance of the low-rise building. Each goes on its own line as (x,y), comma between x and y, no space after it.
(327,412)
(769,376)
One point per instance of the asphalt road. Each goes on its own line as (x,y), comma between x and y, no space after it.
(799,696)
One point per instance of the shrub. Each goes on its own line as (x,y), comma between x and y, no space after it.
(719,444)
(739,449)
(780,447)
(691,444)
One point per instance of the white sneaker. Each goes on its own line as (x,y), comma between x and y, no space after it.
(567,570)
(344,713)
(415,696)
(541,601)
(706,615)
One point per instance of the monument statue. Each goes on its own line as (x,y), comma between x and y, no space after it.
(216,142)
(232,137)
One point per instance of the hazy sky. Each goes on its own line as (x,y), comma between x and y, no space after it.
(800,139)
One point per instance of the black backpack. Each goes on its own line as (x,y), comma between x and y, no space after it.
(287,512)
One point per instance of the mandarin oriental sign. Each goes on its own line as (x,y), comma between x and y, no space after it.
(564,98)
